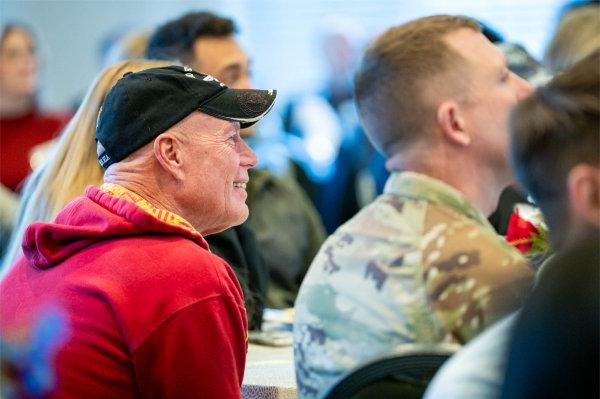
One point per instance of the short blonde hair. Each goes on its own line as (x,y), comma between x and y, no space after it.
(395,69)
(73,163)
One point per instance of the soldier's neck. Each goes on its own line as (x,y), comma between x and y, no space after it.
(476,182)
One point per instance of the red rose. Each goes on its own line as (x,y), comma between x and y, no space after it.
(521,232)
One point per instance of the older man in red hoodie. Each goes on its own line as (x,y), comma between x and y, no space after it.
(150,311)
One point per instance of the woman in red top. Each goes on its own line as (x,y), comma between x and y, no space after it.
(22,125)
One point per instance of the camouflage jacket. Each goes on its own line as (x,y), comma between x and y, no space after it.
(419,264)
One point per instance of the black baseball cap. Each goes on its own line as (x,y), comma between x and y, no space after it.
(144,104)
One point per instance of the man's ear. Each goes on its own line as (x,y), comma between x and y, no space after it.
(168,153)
(583,188)
(452,124)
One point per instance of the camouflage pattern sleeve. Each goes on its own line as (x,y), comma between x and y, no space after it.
(472,276)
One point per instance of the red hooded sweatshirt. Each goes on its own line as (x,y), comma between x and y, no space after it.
(151,313)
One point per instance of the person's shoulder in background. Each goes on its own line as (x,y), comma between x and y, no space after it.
(476,371)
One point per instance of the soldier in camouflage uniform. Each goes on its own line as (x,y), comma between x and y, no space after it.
(421,263)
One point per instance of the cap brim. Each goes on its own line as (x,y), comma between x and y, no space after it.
(246,106)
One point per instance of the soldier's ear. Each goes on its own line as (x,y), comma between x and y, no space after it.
(452,124)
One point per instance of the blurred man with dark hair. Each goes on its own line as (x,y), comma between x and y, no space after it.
(555,151)
(206,42)
(288,228)
(179,40)
(554,351)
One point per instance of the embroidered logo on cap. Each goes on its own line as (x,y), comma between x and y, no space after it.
(103,159)
(209,78)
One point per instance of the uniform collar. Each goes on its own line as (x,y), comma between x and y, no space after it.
(418,186)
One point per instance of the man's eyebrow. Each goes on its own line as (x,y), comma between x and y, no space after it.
(233,67)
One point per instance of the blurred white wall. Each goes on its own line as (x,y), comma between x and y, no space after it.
(281,36)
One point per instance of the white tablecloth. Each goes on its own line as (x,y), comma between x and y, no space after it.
(269,373)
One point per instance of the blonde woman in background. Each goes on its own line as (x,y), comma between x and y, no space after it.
(73,163)
(577,35)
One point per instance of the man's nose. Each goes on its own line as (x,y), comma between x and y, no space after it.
(248,157)
(523,87)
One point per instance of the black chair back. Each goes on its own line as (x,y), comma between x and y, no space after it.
(404,374)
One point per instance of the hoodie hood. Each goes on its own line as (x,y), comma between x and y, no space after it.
(89,219)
